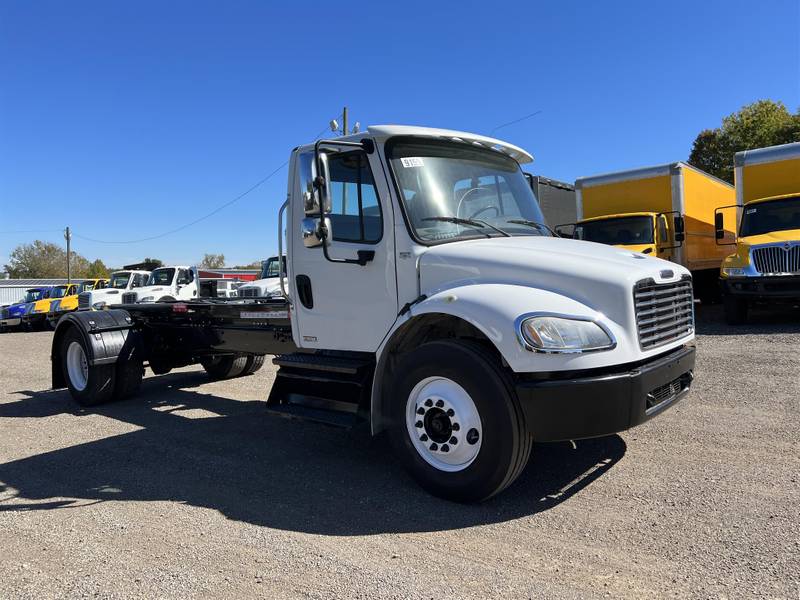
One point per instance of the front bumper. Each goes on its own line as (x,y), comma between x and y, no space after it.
(34,319)
(10,322)
(780,286)
(597,405)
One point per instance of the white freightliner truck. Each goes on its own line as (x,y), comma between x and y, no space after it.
(120,283)
(425,298)
(268,285)
(166,284)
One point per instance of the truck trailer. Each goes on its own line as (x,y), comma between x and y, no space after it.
(665,211)
(765,268)
(422,296)
(556,199)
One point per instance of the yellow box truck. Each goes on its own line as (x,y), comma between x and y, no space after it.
(766,265)
(665,211)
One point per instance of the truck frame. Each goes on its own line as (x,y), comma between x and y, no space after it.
(424,297)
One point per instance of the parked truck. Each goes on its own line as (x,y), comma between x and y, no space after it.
(268,285)
(119,283)
(556,199)
(60,306)
(165,284)
(11,316)
(765,268)
(423,297)
(36,317)
(665,211)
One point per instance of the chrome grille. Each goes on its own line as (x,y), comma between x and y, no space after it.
(770,260)
(664,311)
(129,298)
(84,300)
(4,313)
(248,292)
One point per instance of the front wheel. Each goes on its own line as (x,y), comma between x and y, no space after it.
(457,425)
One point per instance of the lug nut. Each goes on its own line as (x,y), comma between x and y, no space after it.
(440,403)
(428,402)
(450,412)
(423,438)
(472,436)
(434,447)
(454,440)
(456,426)
(420,411)
(445,448)
(418,424)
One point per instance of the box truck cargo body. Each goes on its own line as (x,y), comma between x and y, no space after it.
(555,198)
(766,265)
(665,211)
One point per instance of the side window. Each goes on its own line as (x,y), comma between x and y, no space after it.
(355,209)
(663,237)
(139,280)
(185,277)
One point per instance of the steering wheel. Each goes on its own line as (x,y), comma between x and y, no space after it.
(484,209)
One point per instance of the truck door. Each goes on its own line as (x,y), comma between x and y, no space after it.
(344,306)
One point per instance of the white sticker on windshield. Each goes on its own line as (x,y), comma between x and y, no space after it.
(750,211)
(414,161)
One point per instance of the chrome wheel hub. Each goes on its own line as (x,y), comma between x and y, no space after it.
(443,424)
(77,366)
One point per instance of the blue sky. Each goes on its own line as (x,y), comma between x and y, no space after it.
(128,119)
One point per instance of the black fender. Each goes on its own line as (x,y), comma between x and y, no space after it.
(106,333)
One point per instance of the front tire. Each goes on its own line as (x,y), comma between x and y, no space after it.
(735,310)
(89,385)
(456,423)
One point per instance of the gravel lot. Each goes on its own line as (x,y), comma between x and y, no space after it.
(190,489)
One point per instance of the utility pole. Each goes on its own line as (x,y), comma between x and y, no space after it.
(68,237)
(344,121)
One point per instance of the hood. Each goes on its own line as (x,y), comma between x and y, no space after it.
(773,237)
(265,286)
(636,247)
(573,268)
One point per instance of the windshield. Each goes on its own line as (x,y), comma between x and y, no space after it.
(33,295)
(270,268)
(88,286)
(773,215)
(119,280)
(161,276)
(456,181)
(620,231)
(58,292)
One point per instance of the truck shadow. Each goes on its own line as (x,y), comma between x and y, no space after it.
(710,320)
(233,457)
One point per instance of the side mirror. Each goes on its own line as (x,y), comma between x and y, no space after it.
(680,228)
(719,226)
(565,232)
(318,199)
(312,232)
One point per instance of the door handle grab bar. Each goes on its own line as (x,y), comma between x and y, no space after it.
(281,273)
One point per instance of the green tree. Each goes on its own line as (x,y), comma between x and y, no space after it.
(97,270)
(44,260)
(155,263)
(256,264)
(212,261)
(757,125)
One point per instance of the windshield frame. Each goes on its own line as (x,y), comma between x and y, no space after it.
(388,148)
(653,227)
(119,275)
(792,197)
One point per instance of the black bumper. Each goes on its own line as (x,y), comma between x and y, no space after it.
(787,286)
(598,405)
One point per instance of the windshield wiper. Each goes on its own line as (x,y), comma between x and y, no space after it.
(539,226)
(473,222)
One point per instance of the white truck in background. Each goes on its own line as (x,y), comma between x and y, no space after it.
(424,297)
(119,283)
(268,285)
(167,284)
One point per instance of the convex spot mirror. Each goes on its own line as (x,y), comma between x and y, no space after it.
(311,230)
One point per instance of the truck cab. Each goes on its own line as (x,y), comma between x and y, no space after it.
(12,315)
(268,285)
(645,232)
(37,316)
(167,284)
(61,306)
(118,284)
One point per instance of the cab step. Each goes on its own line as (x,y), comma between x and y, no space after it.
(334,418)
(322,362)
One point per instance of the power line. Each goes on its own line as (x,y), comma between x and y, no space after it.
(198,220)
(15,231)
(533,114)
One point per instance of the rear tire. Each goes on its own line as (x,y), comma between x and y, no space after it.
(224,367)
(735,310)
(456,423)
(88,385)
(254,363)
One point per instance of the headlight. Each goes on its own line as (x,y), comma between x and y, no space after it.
(99,305)
(551,333)
(146,299)
(733,271)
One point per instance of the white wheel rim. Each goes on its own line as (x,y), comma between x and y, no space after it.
(443,424)
(77,366)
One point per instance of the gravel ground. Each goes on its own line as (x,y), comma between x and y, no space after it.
(190,490)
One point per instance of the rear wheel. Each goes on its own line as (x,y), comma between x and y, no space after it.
(89,385)
(735,310)
(456,423)
(254,363)
(224,367)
